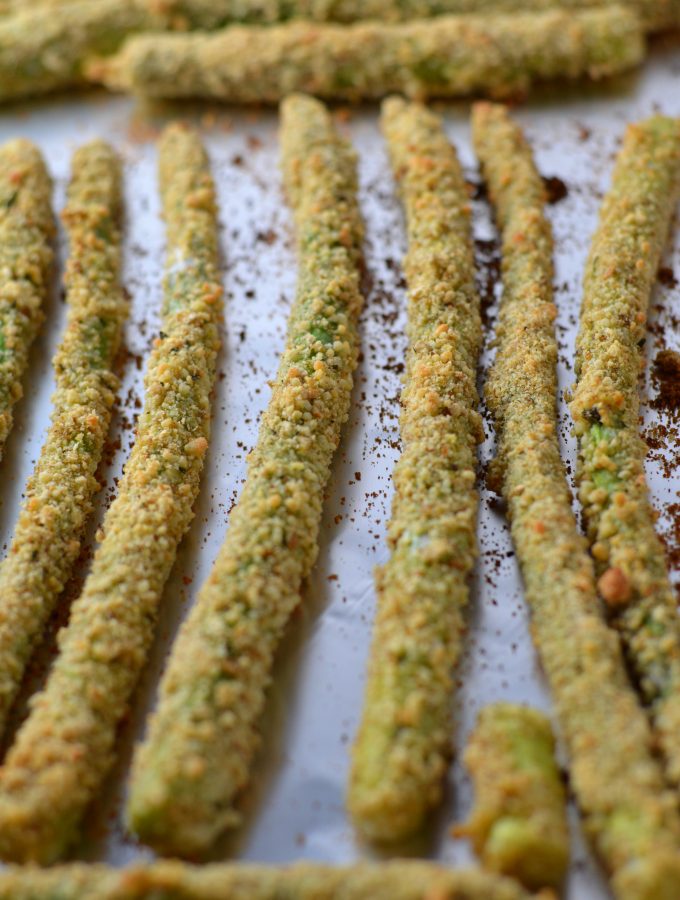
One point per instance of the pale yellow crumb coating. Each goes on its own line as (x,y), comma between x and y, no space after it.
(629,556)
(628,813)
(59,494)
(26,230)
(403,745)
(518,824)
(202,739)
(64,750)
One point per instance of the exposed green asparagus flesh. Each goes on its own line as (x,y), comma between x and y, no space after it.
(203,737)
(303,881)
(26,229)
(620,273)
(404,740)
(59,495)
(628,813)
(65,748)
(444,57)
(518,825)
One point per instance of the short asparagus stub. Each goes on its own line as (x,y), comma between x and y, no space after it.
(450,56)
(65,748)
(202,739)
(59,495)
(629,557)
(404,740)
(26,230)
(627,810)
(518,824)
(177,881)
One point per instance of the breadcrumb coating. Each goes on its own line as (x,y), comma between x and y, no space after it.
(203,737)
(26,231)
(493,55)
(302,881)
(66,747)
(620,273)
(59,495)
(518,825)
(627,811)
(401,752)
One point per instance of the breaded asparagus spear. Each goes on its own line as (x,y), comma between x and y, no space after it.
(203,736)
(404,740)
(518,825)
(59,495)
(65,748)
(446,57)
(302,881)
(627,811)
(26,229)
(620,273)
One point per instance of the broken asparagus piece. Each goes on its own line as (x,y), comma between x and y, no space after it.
(518,825)
(629,557)
(404,740)
(59,495)
(496,55)
(302,881)
(26,230)
(65,748)
(202,738)
(628,813)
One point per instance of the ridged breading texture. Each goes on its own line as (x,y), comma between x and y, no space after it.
(628,813)
(404,741)
(492,55)
(203,737)
(65,748)
(59,495)
(26,229)
(620,273)
(302,881)
(518,824)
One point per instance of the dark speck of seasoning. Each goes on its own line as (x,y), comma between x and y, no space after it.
(555,188)
(667,277)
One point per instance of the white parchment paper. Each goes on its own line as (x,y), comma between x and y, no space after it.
(295,807)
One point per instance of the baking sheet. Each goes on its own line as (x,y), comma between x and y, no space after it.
(294,809)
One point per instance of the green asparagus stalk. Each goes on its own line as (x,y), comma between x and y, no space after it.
(26,229)
(303,881)
(404,741)
(518,825)
(628,813)
(203,737)
(620,273)
(59,495)
(65,748)
(497,55)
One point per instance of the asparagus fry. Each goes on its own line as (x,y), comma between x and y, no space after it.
(620,273)
(518,825)
(627,811)
(65,748)
(303,881)
(26,228)
(202,738)
(401,751)
(59,495)
(446,57)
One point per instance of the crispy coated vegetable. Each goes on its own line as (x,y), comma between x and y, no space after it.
(620,272)
(59,495)
(518,824)
(627,811)
(65,748)
(26,229)
(303,881)
(404,741)
(203,737)
(447,57)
